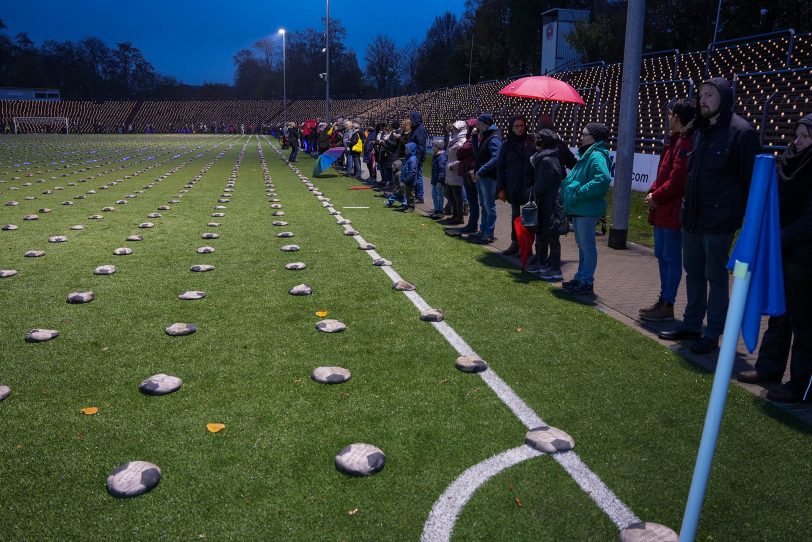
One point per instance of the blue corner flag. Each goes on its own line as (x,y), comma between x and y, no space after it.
(759,246)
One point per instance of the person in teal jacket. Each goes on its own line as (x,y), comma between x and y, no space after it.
(583,193)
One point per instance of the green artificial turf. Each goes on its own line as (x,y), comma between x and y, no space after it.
(634,408)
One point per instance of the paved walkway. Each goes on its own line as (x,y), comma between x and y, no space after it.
(625,281)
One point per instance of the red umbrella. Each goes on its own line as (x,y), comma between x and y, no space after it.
(525,239)
(541,87)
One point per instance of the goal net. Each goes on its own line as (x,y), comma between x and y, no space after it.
(41,125)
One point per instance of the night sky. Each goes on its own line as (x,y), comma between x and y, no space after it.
(194,41)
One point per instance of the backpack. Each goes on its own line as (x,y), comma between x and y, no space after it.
(359,145)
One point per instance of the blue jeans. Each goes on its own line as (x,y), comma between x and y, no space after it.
(584,227)
(486,190)
(294,151)
(668,251)
(418,182)
(706,280)
(356,165)
(437,191)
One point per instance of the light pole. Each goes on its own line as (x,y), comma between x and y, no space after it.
(327,71)
(284,80)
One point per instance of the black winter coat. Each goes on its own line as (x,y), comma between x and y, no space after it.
(514,155)
(719,170)
(544,174)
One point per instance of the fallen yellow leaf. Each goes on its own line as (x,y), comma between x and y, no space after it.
(519,329)
(518,502)
(353,511)
(87,411)
(321,314)
(215,427)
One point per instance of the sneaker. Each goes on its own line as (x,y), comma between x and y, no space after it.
(570,284)
(536,268)
(663,312)
(581,289)
(705,345)
(551,275)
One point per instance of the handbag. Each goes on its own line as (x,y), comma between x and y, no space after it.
(529,213)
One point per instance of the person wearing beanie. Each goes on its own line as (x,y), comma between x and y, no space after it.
(719,170)
(795,327)
(439,160)
(486,152)
(583,193)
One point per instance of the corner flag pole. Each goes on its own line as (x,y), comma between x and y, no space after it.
(763,174)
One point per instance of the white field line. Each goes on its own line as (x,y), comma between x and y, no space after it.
(587,480)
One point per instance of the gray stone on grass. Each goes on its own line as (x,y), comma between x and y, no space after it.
(549,440)
(77,298)
(470,364)
(295,266)
(381,262)
(154,215)
(5,273)
(40,335)
(164,208)
(78,227)
(279,223)
(330,326)
(96,217)
(343,221)
(31,217)
(350,232)
(360,459)
(301,289)
(133,478)
(146,225)
(180,329)
(205,250)
(105,270)
(108,209)
(5,391)
(201,268)
(278,213)
(432,315)
(366,246)
(647,532)
(209,235)
(11,203)
(67,202)
(403,286)
(9,227)
(160,384)
(34,254)
(218,215)
(135,238)
(45,210)
(191,295)
(276,206)
(285,234)
(330,375)
(213,224)
(289,248)
(123,251)
(57,239)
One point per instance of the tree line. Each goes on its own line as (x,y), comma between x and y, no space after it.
(491,39)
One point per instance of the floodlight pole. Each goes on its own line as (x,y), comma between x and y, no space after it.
(284,80)
(327,71)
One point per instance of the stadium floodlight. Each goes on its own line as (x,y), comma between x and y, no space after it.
(284,79)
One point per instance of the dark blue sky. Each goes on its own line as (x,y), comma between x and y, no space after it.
(195,41)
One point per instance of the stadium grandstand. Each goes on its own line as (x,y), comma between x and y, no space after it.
(772,75)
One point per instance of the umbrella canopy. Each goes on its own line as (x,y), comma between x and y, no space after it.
(541,87)
(525,238)
(326,159)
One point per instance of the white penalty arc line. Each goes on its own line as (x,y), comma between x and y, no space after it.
(587,480)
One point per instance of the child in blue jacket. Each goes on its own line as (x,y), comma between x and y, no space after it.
(438,163)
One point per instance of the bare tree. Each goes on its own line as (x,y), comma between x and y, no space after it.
(383,64)
(410,61)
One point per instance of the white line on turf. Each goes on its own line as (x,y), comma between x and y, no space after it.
(448,507)
(587,480)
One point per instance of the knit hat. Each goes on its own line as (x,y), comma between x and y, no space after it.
(438,143)
(460,125)
(546,138)
(471,123)
(485,118)
(598,131)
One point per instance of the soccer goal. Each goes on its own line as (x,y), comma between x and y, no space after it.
(41,125)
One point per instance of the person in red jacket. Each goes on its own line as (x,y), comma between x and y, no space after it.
(664,201)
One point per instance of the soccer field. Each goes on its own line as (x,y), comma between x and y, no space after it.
(634,409)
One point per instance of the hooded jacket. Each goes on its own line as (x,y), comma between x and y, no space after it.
(408,174)
(584,190)
(486,152)
(544,174)
(795,197)
(454,175)
(514,155)
(719,168)
(418,136)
